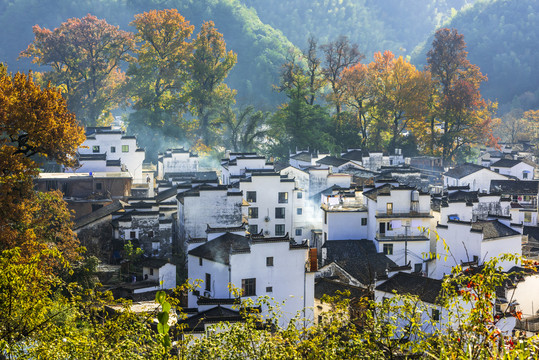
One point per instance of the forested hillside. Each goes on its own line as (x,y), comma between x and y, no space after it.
(502,38)
(261,49)
(396,25)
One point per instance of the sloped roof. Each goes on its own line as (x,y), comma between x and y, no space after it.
(99,214)
(343,249)
(515,187)
(493,229)
(154,263)
(466,196)
(332,161)
(220,248)
(506,163)
(216,314)
(329,287)
(302,156)
(356,155)
(463,170)
(166,194)
(427,289)
(381,190)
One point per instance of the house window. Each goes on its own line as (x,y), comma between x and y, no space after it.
(279,213)
(388,249)
(151,271)
(325,217)
(98,186)
(208,282)
(95,148)
(497,170)
(200,261)
(248,287)
(300,195)
(527,217)
(133,234)
(389,225)
(325,236)
(269,261)
(279,230)
(363,221)
(113,149)
(253,212)
(435,314)
(125,148)
(299,211)
(525,175)
(251,196)
(253,229)
(150,233)
(418,268)
(299,232)
(269,289)
(389,208)
(283,198)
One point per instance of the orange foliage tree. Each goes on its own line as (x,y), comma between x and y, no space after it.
(85,56)
(460,115)
(34,123)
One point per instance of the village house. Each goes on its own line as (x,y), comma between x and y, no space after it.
(237,165)
(256,266)
(106,149)
(398,219)
(523,196)
(176,161)
(475,176)
(269,206)
(520,169)
(345,215)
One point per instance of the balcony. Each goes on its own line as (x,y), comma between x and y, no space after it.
(401,215)
(401,237)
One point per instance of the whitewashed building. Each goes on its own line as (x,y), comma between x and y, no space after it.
(257,267)
(475,176)
(106,150)
(237,165)
(176,161)
(516,168)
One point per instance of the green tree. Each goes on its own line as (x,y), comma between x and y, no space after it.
(244,130)
(208,68)
(86,57)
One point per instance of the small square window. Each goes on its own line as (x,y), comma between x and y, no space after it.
(250,196)
(363,221)
(98,186)
(125,148)
(435,314)
(300,195)
(113,149)
(133,234)
(283,198)
(269,261)
(298,232)
(253,229)
(269,289)
(279,213)
(524,175)
(95,148)
(253,212)
(388,249)
(150,233)
(418,268)
(279,230)
(528,217)
(299,211)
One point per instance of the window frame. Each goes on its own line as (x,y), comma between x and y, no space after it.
(252,212)
(125,148)
(269,260)
(363,221)
(280,213)
(253,229)
(299,211)
(207,283)
(280,233)
(95,149)
(113,149)
(248,287)
(387,249)
(250,196)
(282,197)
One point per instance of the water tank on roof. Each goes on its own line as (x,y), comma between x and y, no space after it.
(415,195)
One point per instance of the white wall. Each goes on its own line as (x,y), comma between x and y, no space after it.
(219,275)
(346,225)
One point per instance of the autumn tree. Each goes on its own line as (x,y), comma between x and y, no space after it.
(159,74)
(338,55)
(85,57)
(34,123)
(399,93)
(463,116)
(208,68)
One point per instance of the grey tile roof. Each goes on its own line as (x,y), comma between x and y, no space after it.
(216,314)
(220,248)
(514,187)
(465,196)
(99,214)
(506,163)
(356,155)
(332,161)
(329,287)
(381,190)
(493,229)
(427,289)
(463,170)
